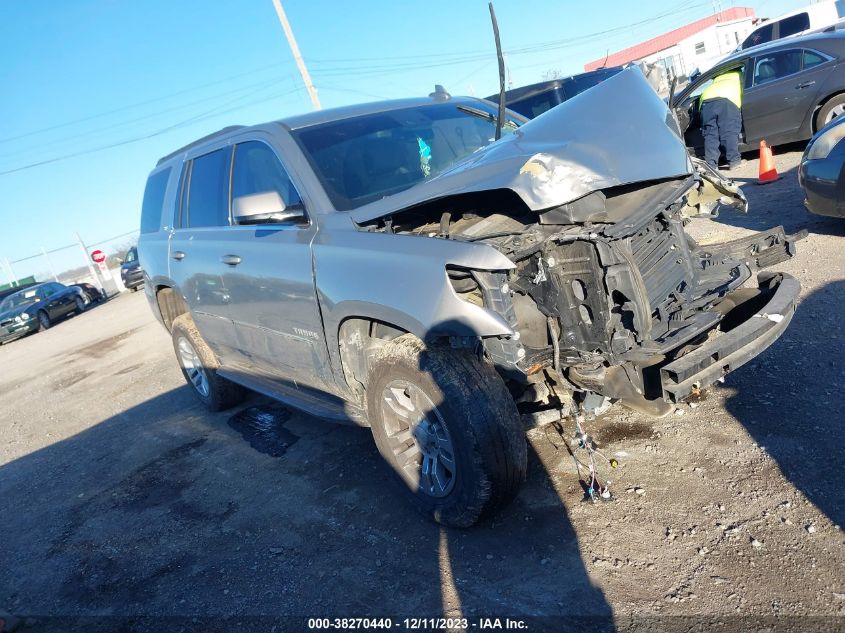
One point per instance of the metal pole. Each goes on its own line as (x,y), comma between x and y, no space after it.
(94,272)
(14,278)
(49,263)
(8,276)
(306,78)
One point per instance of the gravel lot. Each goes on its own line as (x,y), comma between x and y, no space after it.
(121,496)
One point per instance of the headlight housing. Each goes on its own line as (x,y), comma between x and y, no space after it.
(825,143)
(23,316)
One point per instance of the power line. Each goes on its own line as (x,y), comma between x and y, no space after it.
(181,124)
(139,104)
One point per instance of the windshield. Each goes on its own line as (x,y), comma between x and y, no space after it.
(20,299)
(366,158)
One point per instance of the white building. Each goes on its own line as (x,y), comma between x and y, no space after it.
(698,44)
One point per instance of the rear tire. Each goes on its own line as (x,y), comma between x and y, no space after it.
(834,108)
(199,367)
(447,425)
(44,322)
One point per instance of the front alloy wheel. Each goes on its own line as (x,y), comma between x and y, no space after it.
(419,439)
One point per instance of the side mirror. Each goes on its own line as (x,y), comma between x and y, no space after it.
(264,207)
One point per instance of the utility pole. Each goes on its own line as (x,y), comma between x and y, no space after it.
(8,276)
(49,264)
(306,78)
(13,280)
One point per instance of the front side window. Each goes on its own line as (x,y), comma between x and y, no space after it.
(258,170)
(131,255)
(578,84)
(208,195)
(535,105)
(776,65)
(362,159)
(794,24)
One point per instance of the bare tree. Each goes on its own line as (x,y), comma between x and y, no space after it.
(552,73)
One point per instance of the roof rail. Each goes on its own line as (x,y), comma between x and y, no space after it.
(199,141)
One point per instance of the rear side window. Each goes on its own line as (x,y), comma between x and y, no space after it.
(257,170)
(776,65)
(153,201)
(794,24)
(578,84)
(208,195)
(760,36)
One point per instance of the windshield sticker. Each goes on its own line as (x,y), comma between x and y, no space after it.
(425,157)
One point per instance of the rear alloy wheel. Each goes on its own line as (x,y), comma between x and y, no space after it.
(834,108)
(80,305)
(44,322)
(199,367)
(446,424)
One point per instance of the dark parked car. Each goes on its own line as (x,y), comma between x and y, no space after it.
(395,265)
(822,171)
(792,88)
(90,292)
(130,270)
(36,308)
(531,101)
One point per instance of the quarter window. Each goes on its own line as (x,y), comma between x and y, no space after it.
(776,65)
(257,170)
(812,59)
(208,196)
(153,201)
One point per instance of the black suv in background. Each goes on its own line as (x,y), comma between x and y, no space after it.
(130,270)
(531,101)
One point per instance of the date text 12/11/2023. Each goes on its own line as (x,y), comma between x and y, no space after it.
(414,624)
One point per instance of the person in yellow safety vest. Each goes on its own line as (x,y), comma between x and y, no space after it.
(721,118)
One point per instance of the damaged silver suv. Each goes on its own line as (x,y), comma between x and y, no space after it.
(393,265)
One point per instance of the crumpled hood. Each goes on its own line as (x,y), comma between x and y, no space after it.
(616,133)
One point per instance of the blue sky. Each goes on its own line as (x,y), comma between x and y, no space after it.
(147,77)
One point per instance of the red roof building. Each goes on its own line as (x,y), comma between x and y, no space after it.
(715,35)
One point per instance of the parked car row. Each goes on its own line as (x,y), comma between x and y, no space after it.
(36,308)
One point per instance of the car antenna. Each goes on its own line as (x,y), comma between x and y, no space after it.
(500,116)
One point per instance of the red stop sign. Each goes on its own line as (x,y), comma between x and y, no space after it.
(98,256)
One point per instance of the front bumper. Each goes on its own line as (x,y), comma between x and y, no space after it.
(766,317)
(17,329)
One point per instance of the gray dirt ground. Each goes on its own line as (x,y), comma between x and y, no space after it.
(120,495)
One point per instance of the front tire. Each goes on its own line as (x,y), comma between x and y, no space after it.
(834,108)
(447,425)
(44,322)
(80,305)
(199,367)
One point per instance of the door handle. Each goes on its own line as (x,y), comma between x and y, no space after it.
(231,260)
(806,84)
(178,255)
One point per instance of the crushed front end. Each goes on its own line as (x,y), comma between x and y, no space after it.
(635,310)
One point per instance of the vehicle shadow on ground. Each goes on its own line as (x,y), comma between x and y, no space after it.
(801,432)
(767,203)
(164,509)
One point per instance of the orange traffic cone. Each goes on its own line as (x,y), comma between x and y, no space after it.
(768,171)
